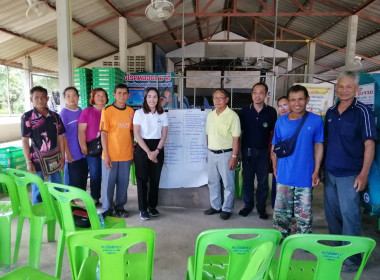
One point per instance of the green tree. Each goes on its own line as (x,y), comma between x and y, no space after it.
(11,90)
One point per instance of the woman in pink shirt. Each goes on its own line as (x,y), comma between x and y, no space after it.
(88,129)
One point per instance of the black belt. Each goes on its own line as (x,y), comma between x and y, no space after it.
(220,151)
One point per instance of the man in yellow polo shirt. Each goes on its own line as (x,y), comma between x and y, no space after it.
(116,126)
(223,133)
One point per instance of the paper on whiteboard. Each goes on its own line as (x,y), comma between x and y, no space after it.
(185,148)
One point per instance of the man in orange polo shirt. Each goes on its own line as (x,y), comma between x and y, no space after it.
(116,126)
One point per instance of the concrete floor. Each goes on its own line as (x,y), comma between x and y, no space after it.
(176,232)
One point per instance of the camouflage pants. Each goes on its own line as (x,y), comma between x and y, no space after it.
(291,200)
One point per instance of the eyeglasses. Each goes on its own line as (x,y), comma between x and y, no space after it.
(283,107)
(218,98)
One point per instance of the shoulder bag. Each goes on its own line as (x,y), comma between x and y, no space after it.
(285,148)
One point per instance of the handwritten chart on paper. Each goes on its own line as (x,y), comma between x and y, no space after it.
(185,163)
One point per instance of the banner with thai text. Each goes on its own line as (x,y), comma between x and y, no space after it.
(138,82)
(321,97)
(366,94)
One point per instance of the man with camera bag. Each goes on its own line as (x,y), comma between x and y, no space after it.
(298,171)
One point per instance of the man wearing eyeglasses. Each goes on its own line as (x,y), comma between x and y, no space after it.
(223,133)
(257,123)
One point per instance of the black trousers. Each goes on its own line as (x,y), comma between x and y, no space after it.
(78,172)
(148,175)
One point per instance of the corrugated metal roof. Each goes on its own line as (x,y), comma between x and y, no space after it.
(19,36)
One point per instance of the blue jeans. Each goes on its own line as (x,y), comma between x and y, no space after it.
(217,165)
(54,178)
(342,207)
(95,168)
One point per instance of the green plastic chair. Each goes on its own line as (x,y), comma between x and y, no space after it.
(64,196)
(8,211)
(329,258)
(248,258)
(115,262)
(27,273)
(133,174)
(38,215)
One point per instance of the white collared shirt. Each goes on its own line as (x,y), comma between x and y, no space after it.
(150,124)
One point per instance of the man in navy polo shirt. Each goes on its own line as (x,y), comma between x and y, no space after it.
(257,123)
(350,132)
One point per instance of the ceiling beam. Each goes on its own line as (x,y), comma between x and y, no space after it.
(35,69)
(206,6)
(259,14)
(82,25)
(121,15)
(196,6)
(323,43)
(40,47)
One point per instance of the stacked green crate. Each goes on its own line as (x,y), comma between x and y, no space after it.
(83,82)
(12,157)
(107,78)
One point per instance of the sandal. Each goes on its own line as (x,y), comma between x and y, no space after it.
(122,213)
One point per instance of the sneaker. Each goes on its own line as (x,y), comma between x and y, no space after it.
(144,215)
(225,215)
(244,212)
(211,211)
(153,212)
(263,215)
(107,213)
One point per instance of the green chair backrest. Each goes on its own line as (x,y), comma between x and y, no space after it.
(64,196)
(111,251)
(329,258)
(12,191)
(247,257)
(23,179)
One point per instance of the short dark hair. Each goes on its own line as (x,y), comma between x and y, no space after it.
(70,88)
(120,86)
(38,88)
(297,88)
(94,91)
(282,97)
(145,105)
(261,84)
(222,90)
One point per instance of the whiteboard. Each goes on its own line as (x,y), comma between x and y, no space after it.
(185,150)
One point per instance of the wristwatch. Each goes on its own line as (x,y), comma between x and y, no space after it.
(234,156)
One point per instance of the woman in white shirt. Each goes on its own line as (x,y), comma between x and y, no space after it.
(150,127)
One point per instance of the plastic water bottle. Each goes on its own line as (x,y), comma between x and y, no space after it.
(101,219)
(97,271)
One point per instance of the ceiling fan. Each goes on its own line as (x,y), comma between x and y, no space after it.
(248,63)
(36,9)
(262,64)
(159,10)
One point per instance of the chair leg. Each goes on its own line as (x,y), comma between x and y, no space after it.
(51,231)
(35,242)
(5,242)
(60,252)
(20,224)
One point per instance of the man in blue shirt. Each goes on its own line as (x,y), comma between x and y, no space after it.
(350,132)
(257,123)
(297,173)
